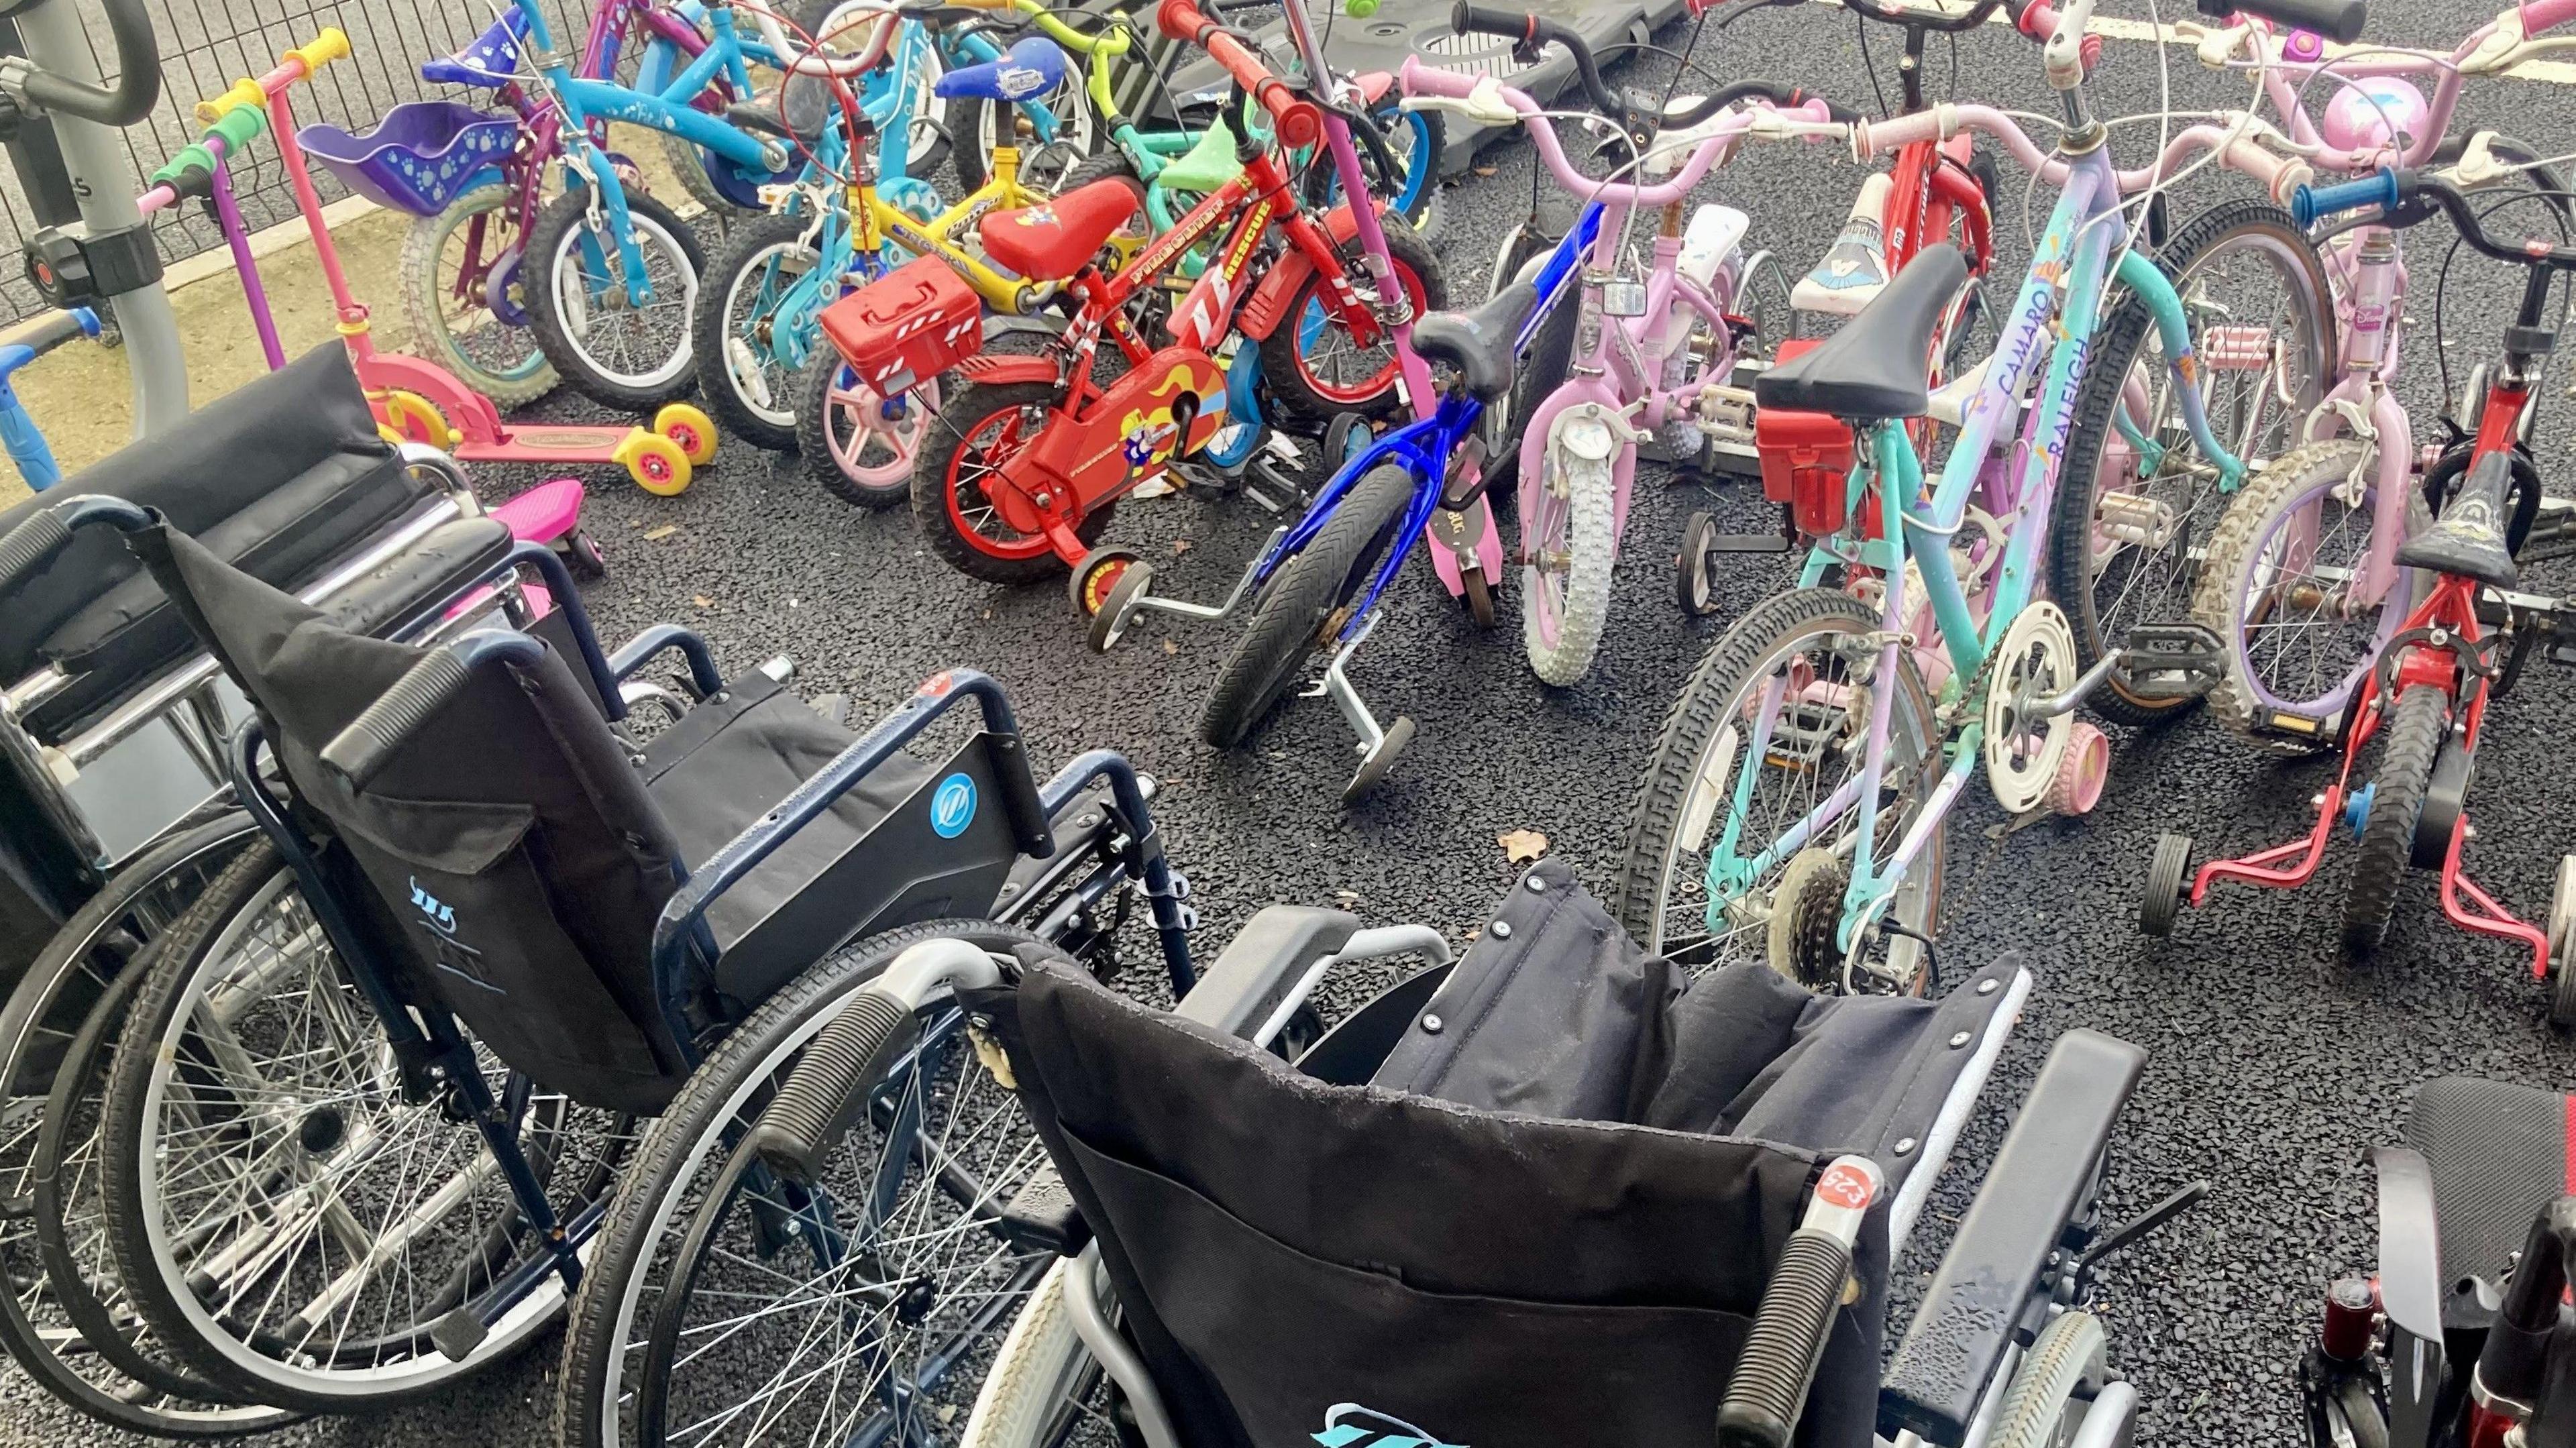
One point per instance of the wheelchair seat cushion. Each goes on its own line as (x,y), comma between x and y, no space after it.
(304,481)
(1287,1251)
(1055,239)
(722,766)
(2498,1154)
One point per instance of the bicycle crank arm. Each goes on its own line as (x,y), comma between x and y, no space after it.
(2048,706)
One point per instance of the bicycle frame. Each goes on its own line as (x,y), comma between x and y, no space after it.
(2061,296)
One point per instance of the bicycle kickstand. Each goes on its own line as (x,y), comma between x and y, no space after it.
(1379,744)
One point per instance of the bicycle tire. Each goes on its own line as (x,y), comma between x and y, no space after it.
(777,242)
(2408,740)
(559,227)
(612,1310)
(1550,360)
(1044,167)
(1591,553)
(1288,367)
(1659,826)
(2067,1354)
(938,504)
(1305,595)
(424,286)
(2251,689)
(2075,572)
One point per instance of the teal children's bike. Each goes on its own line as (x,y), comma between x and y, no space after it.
(1794,809)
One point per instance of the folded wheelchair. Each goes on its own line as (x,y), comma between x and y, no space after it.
(373,1092)
(113,726)
(2462,1338)
(1550,1192)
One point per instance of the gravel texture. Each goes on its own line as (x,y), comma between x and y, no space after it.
(2273,1066)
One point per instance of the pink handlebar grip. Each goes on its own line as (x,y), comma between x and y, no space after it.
(1874,139)
(1430,80)
(2540,15)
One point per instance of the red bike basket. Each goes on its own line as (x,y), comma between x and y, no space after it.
(907,326)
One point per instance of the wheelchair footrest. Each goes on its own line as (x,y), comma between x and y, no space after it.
(1041,1216)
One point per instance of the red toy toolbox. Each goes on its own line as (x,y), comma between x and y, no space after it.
(1806,459)
(907,326)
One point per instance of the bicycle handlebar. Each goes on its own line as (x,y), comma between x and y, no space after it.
(1296,120)
(1532,31)
(138,74)
(2392,187)
(1893,12)
(2337,20)
(299,64)
(2280,176)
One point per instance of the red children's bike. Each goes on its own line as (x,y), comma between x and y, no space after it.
(2410,735)
(1031,452)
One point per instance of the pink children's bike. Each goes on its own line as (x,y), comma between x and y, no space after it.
(2300,577)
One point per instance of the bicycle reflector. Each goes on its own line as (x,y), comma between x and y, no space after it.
(907,326)
(1806,460)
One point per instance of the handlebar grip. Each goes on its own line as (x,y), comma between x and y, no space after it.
(245,92)
(2311,204)
(29,546)
(332,44)
(363,749)
(1471,19)
(1296,121)
(1874,139)
(1778,1365)
(239,127)
(55,328)
(807,1118)
(2540,15)
(2337,20)
(1524,29)
(2282,178)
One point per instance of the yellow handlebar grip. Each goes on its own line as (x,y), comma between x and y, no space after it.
(245,92)
(332,44)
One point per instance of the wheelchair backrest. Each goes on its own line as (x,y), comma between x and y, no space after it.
(1303,1262)
(507,862)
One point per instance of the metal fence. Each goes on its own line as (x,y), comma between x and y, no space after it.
(208,44)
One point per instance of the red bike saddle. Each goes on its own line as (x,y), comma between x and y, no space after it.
(1051,241)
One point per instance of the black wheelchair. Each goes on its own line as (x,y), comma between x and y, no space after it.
(113,726)
(2462,1338)
(376,1088)
(1553,1192)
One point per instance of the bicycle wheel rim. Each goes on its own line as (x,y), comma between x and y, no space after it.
(998,436)
(634,347)
(870,447)
(768,328)
(2293,658)
(474,285)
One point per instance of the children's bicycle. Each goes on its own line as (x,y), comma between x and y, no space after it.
(1793,811)
(1031,452)
(2419,705)
(2298,574)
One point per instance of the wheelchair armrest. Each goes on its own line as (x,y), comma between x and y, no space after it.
(1988,1282)
(2410,1287)
(1265,960)
(659,639)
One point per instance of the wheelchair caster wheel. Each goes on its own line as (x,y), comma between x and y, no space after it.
(2168,881)
(691,431)
(581,555)
(1380,760)
(1118,610)
(1694,582)
(1344,438)
(2562,945)
(1092,579)
(2077,786)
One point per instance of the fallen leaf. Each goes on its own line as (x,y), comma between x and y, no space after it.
(1486,170)
(1171,647)
(1521,846)
(988,613)
(1180,545)
(656,535)
(1347,896)
(703,601)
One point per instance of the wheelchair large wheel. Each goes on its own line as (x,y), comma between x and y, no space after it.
(1045,1389)
(44,1016)
(765,1341)
(291,1226)
(2052,1389)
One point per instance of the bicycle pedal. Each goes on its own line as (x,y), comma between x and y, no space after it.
(2289,725)
(458,1334)
(2168,661)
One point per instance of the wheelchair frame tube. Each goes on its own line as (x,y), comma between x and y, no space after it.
(640,650)
(1153,870)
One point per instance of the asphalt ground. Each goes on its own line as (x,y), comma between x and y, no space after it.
(2273,1066)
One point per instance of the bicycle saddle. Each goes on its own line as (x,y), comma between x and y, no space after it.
(1879,368)
(1053,240)
(800,111)
(1030,68)
(492,60)
(2468,538)
(1479,343)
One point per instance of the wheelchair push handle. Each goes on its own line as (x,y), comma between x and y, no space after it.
(2337,20)
(138,74)
(1807,1288)
(360,752)
(33,543)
